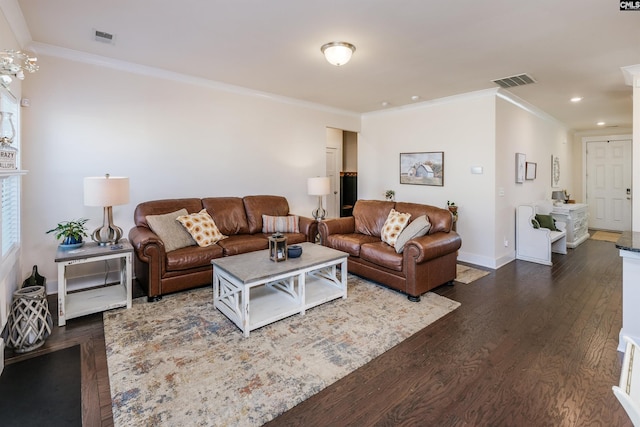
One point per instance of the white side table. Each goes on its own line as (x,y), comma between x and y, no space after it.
(100,297)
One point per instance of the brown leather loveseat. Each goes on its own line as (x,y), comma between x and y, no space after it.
(426,262)
(161,272)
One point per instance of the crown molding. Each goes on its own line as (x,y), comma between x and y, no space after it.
(17,23)
(130,67)
(628,73)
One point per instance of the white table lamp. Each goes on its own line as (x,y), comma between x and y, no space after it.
(319,186)
(106,191)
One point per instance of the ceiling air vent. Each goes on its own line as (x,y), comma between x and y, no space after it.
(104,37)
(519,80)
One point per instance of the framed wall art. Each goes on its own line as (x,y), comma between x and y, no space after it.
(520,167)
(531,170)
(555,171)
(422,168)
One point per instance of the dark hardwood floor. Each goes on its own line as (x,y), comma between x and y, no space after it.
(530,346)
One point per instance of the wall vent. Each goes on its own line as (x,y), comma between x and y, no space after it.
(512,81)
(104,37)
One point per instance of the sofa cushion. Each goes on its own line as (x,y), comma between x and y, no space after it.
(349,243)
(170,231)
(228,213)
(241,243)
(440,219)
(202,228)
(393,226)
(192,257)
(256,206)
(292,238)
(418,227)
(382,254)
(281,224)
(370,216)
(161,207)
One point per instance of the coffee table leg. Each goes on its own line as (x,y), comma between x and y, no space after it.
(245,310)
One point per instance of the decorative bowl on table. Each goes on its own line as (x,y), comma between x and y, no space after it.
(294,251)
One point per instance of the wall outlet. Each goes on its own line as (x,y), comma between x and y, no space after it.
(506,243)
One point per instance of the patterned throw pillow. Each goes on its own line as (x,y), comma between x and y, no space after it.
(202,228)
(393,226)
(282,224)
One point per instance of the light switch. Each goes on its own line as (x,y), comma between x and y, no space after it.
(476,170)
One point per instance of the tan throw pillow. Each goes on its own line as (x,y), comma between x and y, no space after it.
(282,224)
(393,226)
(172,234)
(418,227)
(202,228)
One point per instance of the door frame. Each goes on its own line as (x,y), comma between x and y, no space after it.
(587,139)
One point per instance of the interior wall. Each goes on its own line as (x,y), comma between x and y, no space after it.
(171,138)
(523,129)
(463,127)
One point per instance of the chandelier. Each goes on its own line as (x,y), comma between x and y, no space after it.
(14,63)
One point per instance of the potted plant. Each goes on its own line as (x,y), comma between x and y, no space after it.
(389,194)
(452,207)
(71,232)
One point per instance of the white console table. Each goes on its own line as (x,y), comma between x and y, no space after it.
(629,245)
(576,216)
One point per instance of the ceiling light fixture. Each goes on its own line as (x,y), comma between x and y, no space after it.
(576,99)
(15,63)
(338,53)
(415,98)
(601,123)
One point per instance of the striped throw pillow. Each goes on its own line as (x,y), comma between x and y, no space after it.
(280,224)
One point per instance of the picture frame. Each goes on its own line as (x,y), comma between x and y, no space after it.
(424,168)
(531,170)
(520,167)
(555,171)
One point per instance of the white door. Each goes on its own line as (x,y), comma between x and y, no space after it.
(333,172)
(609,184)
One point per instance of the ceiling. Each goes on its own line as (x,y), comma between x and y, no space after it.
(426,48)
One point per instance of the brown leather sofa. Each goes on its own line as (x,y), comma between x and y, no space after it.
(161,272)
(426,262)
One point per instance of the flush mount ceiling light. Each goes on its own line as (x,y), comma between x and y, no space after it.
(576,99)
(338,53)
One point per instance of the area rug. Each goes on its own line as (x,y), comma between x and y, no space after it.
(179,361)
(606,236)
(466,275)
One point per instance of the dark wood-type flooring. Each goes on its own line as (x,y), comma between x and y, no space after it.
(530,346)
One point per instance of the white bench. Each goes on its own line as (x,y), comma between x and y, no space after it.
(536,244)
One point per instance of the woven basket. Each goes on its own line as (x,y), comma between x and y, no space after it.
(29,322)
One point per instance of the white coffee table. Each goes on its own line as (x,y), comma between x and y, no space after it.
(253,291)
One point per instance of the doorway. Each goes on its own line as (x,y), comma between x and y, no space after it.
(342,170)
(608,182)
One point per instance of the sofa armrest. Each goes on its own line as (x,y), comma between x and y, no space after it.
(344,225)
(309,227)
(432,246)
(143,239)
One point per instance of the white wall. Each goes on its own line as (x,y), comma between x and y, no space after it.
(520,128)
(463,127)
(171,138)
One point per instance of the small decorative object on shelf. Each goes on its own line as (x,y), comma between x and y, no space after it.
(277,247)
(71,233)
(8,153)
(390,195)
(294,251)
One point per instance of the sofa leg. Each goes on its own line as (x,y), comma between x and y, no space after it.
(413,299)
(155,298)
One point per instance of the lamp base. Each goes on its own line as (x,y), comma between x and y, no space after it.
(109,233)
(319,213)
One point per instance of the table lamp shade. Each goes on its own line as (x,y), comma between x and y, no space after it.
(106,191)
(318,186)
(558,195)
